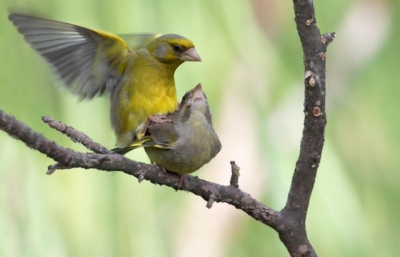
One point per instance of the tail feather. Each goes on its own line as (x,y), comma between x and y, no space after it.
(145,142)
(123,151)
(133,146)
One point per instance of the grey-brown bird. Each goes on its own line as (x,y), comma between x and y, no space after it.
(185,144)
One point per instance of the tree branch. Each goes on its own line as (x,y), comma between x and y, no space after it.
(290,221)
(314,47)
(68,158)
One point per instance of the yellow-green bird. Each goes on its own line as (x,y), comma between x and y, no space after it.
(185,144)
(140,81)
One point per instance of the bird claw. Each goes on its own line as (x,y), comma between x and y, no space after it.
(163,170)
(160,119)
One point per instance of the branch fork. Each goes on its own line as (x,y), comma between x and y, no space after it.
(290,221)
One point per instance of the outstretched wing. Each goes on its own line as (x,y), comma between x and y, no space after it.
(84,59)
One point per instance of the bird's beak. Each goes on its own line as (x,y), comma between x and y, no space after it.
(191,55)
(198,93)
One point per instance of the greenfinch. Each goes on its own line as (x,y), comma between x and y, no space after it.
(185,144)
(89,62)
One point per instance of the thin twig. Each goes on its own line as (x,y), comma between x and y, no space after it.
(75,135)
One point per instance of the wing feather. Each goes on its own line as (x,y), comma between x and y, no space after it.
(79,56)
(164,134)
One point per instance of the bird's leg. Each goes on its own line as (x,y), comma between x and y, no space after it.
(160,119)
(182,177)
(141,133)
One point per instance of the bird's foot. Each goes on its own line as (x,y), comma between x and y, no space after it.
(162,169)
(160,119)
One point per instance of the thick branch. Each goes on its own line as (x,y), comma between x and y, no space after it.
(314,46)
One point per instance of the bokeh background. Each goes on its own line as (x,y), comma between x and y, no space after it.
(252,72)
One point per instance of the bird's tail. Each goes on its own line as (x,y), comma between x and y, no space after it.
(133,146)
(146,143)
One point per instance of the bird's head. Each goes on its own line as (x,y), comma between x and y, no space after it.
(194,101)
(173,48)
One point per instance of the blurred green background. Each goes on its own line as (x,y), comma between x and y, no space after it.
(252,72)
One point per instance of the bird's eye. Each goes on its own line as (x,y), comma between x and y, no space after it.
(185,97)
(178,48)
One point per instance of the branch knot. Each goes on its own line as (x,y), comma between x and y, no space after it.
(235,175)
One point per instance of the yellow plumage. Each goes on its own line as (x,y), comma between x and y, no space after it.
(89,62)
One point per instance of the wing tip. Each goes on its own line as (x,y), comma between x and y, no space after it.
(15,15)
